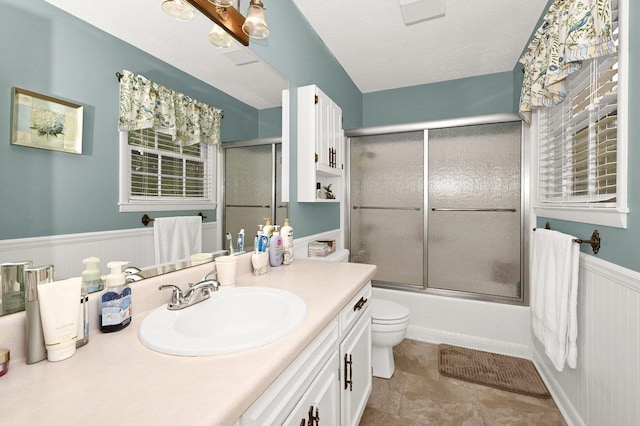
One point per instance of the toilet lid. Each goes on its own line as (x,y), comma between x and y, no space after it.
(387,310)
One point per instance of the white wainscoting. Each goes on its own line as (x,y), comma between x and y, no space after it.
(66,252)
(604,389)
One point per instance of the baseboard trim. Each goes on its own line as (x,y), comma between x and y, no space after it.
(561,399)
(431,335)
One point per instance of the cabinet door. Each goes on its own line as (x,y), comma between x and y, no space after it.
(320,404)
(355,368)
(320,145)
(328,134)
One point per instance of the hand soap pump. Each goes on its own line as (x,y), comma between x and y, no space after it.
(286,232)
(275,248)
(268,227)
(91,275)
(115,300)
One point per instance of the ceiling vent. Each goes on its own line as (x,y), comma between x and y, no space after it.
(421,10)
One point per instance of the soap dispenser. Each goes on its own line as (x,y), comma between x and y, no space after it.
(268,227)
(275,248)
(286,232)
(91,275)
(115,300)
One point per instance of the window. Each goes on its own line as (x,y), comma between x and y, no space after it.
(582,145)
(156,173)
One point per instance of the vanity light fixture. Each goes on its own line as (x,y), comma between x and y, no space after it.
(178,9)
(228,22)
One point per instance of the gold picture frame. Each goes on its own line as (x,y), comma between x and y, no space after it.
(44,122)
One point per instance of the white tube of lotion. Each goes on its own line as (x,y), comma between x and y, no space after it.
(59,304)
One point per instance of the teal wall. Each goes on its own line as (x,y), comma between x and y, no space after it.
(620,246)
(48,51)
(64,57)
(270,122)
(296,51)
(486,94)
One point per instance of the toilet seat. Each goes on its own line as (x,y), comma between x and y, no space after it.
(387,312)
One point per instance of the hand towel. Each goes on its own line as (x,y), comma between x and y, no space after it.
(176,238)
(554,295)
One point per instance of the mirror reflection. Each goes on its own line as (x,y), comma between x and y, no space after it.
(252,187)
(69,203)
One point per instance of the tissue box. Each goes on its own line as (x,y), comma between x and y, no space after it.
(321,248)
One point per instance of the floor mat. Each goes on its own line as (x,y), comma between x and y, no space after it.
(489,369)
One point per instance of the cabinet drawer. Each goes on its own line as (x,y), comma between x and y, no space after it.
(354,309)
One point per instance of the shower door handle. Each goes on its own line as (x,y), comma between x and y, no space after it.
(473,210)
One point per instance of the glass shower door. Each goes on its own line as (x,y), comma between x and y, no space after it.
(474,215)
(386,199)
(252,188)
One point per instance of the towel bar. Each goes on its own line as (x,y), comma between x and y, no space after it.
(146,219)
(594,241)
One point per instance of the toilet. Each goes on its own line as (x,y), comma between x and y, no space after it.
(389,326)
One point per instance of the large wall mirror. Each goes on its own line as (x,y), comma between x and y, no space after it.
(51,195)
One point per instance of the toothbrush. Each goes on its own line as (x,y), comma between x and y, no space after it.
(230,238)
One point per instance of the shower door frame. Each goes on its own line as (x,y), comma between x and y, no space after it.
(274,205)
(525,219)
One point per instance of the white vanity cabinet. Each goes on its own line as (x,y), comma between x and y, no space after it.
(320,145)
(321,401)
(355,358)
(319,388)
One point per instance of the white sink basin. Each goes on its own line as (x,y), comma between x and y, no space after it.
(231,320)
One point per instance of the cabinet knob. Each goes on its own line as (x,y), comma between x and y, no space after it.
(359,304)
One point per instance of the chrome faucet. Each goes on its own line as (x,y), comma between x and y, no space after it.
(196,293)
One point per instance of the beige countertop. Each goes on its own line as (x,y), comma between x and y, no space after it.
(116,380)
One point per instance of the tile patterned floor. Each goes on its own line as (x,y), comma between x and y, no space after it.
(418,395)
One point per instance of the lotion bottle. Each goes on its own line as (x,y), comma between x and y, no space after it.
(115,300)
(58,303)
(286,232)
(275,248)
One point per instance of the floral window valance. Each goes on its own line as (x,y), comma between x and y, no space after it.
(148,105)
(572,30)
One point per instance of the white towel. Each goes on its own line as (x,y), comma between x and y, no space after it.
(176,238)
(554,295)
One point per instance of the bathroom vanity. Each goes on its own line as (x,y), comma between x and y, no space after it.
(321,369)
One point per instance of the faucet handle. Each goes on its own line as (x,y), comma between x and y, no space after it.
(177,297)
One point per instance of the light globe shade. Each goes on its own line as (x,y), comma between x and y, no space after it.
(255,25)
(179,10)
(223,3)
(219,37)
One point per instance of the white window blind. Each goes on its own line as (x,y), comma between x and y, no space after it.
(578,138)
(157,172)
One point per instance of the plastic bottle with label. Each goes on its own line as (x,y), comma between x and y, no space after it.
(286,232)
(115,300)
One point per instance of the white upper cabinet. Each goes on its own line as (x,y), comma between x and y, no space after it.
(320,146)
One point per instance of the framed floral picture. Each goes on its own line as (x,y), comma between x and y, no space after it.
(40,121)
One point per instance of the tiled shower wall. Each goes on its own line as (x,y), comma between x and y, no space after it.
(604,389)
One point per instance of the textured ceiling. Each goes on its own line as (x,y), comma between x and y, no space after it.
(369,38)
(379,52)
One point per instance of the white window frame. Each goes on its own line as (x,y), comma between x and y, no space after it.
(127,203)
(614,216)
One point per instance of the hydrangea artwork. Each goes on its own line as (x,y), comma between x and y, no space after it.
(40,121)
(47,123)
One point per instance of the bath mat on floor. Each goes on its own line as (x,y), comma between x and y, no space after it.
(489,369)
